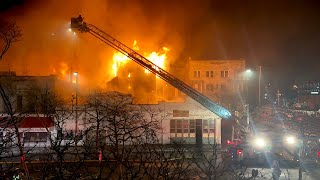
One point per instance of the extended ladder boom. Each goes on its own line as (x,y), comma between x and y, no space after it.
(77,23)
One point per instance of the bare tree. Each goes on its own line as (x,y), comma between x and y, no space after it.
(7,156)
(210,162)
(13,119)
(9,34)
(62,151)
(126,135)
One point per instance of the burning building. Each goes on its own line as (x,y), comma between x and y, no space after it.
(131,78)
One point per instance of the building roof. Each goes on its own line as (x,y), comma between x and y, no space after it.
(31,122)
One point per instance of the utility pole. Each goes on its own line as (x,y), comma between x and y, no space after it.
(232,134)
(259,85)
(76,94)
(248,117)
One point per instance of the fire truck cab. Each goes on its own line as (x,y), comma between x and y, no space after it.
(235,152)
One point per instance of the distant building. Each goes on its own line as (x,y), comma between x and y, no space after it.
(308,96)
(20,90)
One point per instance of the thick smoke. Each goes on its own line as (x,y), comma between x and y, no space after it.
(48,47)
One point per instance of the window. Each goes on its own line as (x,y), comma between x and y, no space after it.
(173,126)
(182,128)
(205,128)
(35,137)
(209,74)
(179,127)
(196,74)
(211,128)
(208,128)
(192,128)
(185,128)
(224,74)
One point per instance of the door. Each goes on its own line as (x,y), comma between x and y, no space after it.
(199,131)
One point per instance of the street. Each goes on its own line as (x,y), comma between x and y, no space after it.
(292,174)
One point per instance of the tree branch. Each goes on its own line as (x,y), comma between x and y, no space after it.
(9,34)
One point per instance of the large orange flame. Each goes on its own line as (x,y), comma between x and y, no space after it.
(158,58)
(119,60)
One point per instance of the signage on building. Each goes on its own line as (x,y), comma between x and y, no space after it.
(180,113)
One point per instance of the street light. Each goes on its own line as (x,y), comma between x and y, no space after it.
(246,76)
(248,73)
(76,94)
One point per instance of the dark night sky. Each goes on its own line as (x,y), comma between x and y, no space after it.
(282,35)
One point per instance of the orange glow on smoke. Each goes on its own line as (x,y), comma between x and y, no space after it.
(61,71)
(158,58)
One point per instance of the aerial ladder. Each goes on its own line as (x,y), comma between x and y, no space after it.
(78,24)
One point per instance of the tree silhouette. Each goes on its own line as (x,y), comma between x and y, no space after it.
(9,34)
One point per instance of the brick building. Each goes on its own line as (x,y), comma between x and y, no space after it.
(220,80)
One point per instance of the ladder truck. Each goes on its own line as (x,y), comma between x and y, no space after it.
(77,23)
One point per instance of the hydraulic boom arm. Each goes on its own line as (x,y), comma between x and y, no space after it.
(77,23)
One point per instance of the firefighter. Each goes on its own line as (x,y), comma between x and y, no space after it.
(80,18)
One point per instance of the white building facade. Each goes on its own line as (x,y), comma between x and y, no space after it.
(188,122)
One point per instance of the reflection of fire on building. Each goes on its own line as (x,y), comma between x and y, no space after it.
(220,80)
